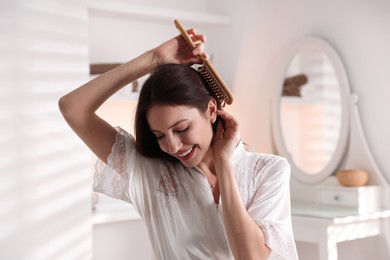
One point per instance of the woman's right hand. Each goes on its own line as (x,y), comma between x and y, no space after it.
(176,50)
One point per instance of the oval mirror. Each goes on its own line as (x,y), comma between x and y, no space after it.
(311,114)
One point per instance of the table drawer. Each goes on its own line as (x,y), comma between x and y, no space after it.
(341,198)
(362,199)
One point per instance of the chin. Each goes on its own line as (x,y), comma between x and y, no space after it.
(193,162)
(189,164)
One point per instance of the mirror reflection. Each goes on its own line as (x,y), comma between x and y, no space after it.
(310,111)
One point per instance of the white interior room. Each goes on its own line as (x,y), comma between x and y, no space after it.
(47,208)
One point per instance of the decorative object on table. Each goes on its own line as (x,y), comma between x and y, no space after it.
(352,177)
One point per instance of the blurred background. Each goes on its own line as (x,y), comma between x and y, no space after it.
(46,49)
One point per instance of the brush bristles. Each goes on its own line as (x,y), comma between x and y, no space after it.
(212,83)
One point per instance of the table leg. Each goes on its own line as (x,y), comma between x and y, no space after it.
(328,245)
(385,236)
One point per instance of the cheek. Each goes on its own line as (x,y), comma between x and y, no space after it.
(162,145)
(205,132)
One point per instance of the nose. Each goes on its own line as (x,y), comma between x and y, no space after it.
(172,144)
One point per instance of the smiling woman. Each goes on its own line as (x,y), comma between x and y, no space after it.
(187,169)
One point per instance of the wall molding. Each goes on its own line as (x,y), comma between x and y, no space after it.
(157,13)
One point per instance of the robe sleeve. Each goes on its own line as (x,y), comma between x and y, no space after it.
(271,208)
(113,178)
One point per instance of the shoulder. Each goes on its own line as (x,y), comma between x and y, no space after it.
(265,166)
(123,137)
(259,174)
(270,161)
(125,146)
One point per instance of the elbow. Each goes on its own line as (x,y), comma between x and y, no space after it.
(73,112)
(63,106)
(67,110)
(61,103)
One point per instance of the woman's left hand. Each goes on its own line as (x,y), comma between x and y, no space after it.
(176,50)
(226,137)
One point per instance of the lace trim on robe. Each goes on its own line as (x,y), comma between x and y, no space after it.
(112,179)
(171,184)
(282,247)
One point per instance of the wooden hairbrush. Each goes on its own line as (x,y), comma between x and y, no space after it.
(208,72)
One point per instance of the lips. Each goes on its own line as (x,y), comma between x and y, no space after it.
(186,154)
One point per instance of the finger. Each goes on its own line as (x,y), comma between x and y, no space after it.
(219,131)
(191,31)
(205,55)
(190,61)
(225,115)
(194,36)
(198,38)
(198,49)
(230,121)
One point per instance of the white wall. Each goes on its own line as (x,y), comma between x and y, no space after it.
(119,37)
(45,210)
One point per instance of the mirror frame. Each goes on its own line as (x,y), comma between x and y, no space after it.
(278,139)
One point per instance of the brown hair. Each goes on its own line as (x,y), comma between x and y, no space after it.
(169,84)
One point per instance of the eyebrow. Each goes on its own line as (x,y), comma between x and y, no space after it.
(172,126)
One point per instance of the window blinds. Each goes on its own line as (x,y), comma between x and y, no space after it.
(45,183)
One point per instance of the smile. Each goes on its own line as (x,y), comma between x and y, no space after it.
(185,153)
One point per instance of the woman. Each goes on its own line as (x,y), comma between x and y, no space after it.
(200,194)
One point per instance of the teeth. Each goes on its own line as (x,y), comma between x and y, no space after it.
(185,153)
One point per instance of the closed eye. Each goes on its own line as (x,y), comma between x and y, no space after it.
(183,130)
(161,136)
(158,137)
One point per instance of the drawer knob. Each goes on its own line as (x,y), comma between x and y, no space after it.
(336,198)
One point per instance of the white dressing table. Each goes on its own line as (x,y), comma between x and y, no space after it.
(318,144)
(329,226)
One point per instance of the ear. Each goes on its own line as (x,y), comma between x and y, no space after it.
(212,110)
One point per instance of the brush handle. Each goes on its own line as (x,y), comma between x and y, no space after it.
(191,43)
(219,81)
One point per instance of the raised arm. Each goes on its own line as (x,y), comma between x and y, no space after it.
(79,106)
(245,238)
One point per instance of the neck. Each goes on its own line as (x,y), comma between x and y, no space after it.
(207,163)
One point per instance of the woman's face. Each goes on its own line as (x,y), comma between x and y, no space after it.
(183,132)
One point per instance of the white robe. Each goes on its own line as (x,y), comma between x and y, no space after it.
(178,208)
